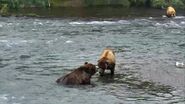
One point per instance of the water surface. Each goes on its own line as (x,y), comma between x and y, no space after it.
(36,51)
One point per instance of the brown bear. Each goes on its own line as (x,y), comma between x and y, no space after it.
(170,12)
(107,61)
(79,76)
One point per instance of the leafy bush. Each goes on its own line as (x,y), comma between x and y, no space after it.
(138,2)
(4,10)
(123,3)
(16,4)
(178,4)
(158,3)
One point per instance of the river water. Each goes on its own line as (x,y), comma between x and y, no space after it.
(34,52)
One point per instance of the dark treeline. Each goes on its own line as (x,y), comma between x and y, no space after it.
(6,5)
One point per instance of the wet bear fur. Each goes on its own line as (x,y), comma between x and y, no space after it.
(80,76)
(107,61)
(170,12)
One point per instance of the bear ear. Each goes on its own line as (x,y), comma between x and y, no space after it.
(85,63)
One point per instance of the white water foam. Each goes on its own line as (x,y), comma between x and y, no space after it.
(100,22)
(55,39)
(176,17)
(160,24)
(76,23)
(40,23)
(179,17)
(4,41)
(168,24)
(37,23)
(10,43)
(179,64)
(124,22)
(1,25)
(173,24)
(164,16)
(4,97)
(33,29)
(16,41)
(9,24)
(150,18)
(182,22)
(69,41)
(93,23)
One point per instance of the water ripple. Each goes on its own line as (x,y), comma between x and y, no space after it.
(36,51)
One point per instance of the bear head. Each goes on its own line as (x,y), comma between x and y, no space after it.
(103,64)
(89,68)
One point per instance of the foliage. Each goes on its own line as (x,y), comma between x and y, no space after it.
(55,3)
(16,4)
(177,4)
(164,3)
(137,2)
(123,3)
(158,3)
(34,3)
(4,10)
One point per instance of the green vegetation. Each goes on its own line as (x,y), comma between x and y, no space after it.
(4,10)
(16,4)
(139,3)
(179,4)
(158,3)
(122,3)
(6,5)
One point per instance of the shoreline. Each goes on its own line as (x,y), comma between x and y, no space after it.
(89,12)
(88,8)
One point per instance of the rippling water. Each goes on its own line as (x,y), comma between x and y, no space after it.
(36,51)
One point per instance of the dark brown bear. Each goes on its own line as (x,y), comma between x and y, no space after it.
(107,61)
(79,76)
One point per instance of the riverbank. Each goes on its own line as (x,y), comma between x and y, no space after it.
(91,12)
(30,8)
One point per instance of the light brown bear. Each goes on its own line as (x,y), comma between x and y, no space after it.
(170,12)
(80,76)
(107,61)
